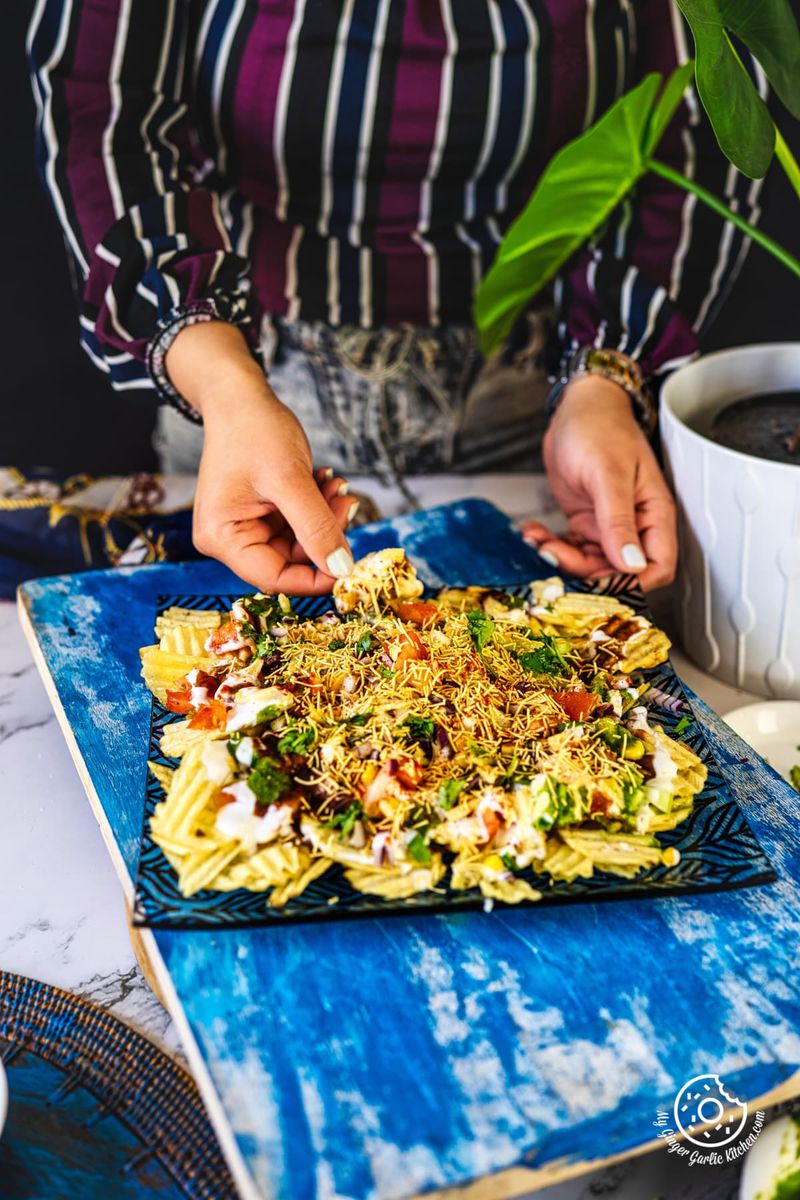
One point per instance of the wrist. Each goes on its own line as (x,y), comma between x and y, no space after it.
(210,365)
(593,395)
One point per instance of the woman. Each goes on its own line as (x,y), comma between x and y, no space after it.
(323,184)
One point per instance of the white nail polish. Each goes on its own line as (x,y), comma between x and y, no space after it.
(353,510)
(343,488)
(340,562)
(632,557)
(548,557)
(327,472)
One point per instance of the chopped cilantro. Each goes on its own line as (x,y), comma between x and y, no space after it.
(346,819)
(268,781)
(449,791)
(365,644)
(337,644)
(385,672)
(233,743)
(684,723)
(265,645)
(481,628)
(248,630)
(417,848)
(297,739)
(420,727)
(510,863)
(794,777)
(548,659)
(270,713)
(478,750)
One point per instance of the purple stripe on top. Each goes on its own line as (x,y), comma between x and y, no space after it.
(262,66)
(411,137)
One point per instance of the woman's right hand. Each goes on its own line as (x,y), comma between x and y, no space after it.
(259,506)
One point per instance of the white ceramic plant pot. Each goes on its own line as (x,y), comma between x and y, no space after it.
(737,591)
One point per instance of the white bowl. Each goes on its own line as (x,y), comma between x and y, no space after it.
(737,590)
(3,1097)
(772,728)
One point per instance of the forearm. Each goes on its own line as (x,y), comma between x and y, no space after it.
(211,365)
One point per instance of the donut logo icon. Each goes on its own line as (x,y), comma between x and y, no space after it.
(708,1115)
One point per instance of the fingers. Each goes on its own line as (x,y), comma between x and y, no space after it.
(570,553)
(331,485)
(297,495)
(659,537)
(636,523)
(336,490)
(615,509)
(265,566)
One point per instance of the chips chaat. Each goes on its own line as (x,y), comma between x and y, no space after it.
(476,739)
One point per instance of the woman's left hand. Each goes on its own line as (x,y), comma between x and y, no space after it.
(605,477)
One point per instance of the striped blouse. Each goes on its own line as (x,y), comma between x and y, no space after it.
(357,162)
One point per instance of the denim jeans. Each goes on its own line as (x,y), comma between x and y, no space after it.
(397,402)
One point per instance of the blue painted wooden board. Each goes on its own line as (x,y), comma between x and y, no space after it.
(372,1060)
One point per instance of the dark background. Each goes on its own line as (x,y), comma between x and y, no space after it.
(58,409)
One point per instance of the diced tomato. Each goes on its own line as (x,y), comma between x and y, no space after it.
(179,699)
(409,773)
(411,648)
(226,638)
(419,612)
(492,820)
(577,705)
(213,715)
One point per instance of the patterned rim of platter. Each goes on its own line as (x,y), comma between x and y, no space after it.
(718,850)
(78,1076)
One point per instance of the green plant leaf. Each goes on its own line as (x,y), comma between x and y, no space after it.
(741,121)
(666,104)
(769,29)
(581,186)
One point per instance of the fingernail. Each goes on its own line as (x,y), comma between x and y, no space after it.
(327,472)
(343,488)
(353,510)
(632,556)
(548,557)
(530,539)
(340,562)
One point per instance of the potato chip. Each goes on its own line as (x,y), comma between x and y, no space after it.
(486,871)
(396,883)
(646,649)
(184,639)
(177,737)
(298,883)
(162,669)
(200,870)
(163,774)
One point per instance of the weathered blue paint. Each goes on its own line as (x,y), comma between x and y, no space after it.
(377,1058)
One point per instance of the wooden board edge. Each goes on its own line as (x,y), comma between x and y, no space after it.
(72,745)
(516,1181)
(165,991)
(245,1183)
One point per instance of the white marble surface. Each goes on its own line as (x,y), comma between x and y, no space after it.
(62,914)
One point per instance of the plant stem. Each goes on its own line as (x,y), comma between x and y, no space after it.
(787,161)
(728,214)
